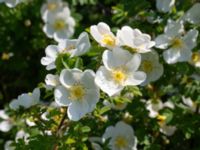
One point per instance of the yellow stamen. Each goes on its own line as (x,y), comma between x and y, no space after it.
(147,66)
(5,56)
(177,43)
(161,119)
(195,57)
(119,76)
(59,24)
(77,92)
(70,47)
(108,40)
(120,142)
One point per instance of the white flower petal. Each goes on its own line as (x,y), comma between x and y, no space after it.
(104,80)
(62,96)
(190,38)
(136,78)
(70,77)
(171,56)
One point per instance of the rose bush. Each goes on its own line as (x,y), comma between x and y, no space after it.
(105,75)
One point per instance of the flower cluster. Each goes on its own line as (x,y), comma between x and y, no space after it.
(59,24)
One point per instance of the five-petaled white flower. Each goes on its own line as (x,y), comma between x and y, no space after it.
(60,25)
(151,66)
(26,100)
(134,39)
(103,35)
(50,7)
(164,5)
(192,15)
(119,70)
(121,137)
(75,47)
(178,46)
(78,91)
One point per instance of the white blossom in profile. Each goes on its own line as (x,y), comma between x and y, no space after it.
(74,47)
(154,106)
(51,81)
(164,5)
(151,66)
(190,104)
(60,25)
(26,100)
(103,35)
(177,44)
(192,15)
(134,39)
(120,69)
(121,137)
(78,91)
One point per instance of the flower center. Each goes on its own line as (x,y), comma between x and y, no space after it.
(108,40)
(51,6)
(59,24)
(161,119)
(77,92)
(70,47)
(177,43)
(195,57)
(119,76)
(147,66)
(120,142)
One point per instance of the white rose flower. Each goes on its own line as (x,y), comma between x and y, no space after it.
(60,25)
(134,39)
(164,5)
(26,100)
(178,46)
(52,52)
(103,35)
(154,106)
(151,66)
(192,15)
(78,91)
(195,59)
(121,137)
(119,70)
(50,7)
(75,47)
